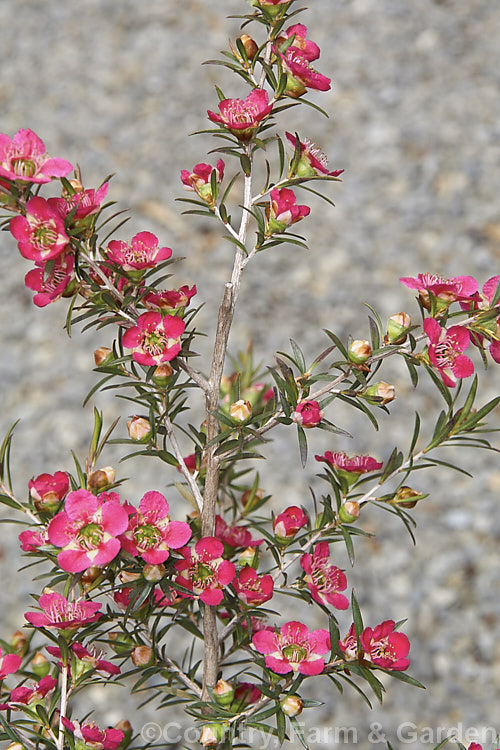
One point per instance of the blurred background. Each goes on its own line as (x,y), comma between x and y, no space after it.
(116,86)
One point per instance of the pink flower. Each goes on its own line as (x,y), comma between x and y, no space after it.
(83,202)
(445,349)
(170,299)
(24,159)
(25,696)
(350,468)
(323,579)
(245,694)
(459,288)
(301,75)
(9,664)
(49,487)
(123,597)
(142,252)
(154,339)
(87,530)
(309,49)
(242,118)
(62,614)
(283,211)
(203,570)
(252,588)
(50,287)
(151,534)
(87,657)
(31,539)
(199,180)
(237,537)
(92,736)
(308,413)
(350,644)
(385,647)
(40,234)
(293,648)
(312,161)
(288,523)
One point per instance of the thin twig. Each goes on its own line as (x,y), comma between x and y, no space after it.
(193,486)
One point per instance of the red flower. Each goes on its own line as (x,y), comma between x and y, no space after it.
(312,161)
(309,49)
(31,539)
(203,570)
(288,523)
(170,299)
(323,579)
(142,252)
(40,234)
(459,288)
(87,657)
(349,468)
(24,159)
(237,537)
(301,75)
(83,202)
(385,647)
(240,117)
(25,696)
(293,648)
(245,693)
(61,614)
(283,211)
(308,413)
(445,349)
(199,180)
(49,487)
(252,588)
(50,287)
(87,530)
(350,644)
(9,664)
(92,736)
(151,534)
(154,339)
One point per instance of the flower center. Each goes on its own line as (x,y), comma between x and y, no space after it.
(154,343)
(90,536)
(23,167)
(147,536)
(294,653)
(44,236)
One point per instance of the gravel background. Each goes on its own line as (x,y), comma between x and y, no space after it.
(115,86)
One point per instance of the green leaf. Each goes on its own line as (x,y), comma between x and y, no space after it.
(356,614)
(299,357)
(348,543)
(299,731)
(281,726)
(302,445)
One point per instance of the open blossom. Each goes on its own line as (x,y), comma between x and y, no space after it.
(301,74)
(385,647)
(50,286)
(350,468)
(204,571)
(288,523)
(309,49)
(9,664)
(459,288)
(283,210)
(49,487)
(312,161)
(26,696)
(169,300)
(200,179)
(308,413)
(142,252)
(62,614)
(151,534)
(252,588)
(92,736)
(236,537)
(293,648)
(87,530)
(82,202)
(23,158)
(155,339)
(445,349)
(89,658)
(242,117)
(324,580)
(40,234)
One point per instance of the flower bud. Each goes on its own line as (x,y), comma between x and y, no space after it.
(349,511)
(380,393)
(359,351)
(308,414)
(127,576)
(250,45)
(240,411)
(90,576)
(292,705)
(406,497)
(19,642)
(153,573)
(142,656)
(40,665)
(103,355)
(212,734)
(162,374)
(139,429)
(121,643)
(288,523)
(249,556)
(397,328)
(124,726)
(101,478)
(251,499)
(224,693)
